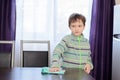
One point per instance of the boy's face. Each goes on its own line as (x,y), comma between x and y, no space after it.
(77,27)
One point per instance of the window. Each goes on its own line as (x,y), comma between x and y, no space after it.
(64,8)
(48,19)
(35,16)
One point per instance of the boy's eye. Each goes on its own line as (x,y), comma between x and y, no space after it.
(80,26)
(73,26)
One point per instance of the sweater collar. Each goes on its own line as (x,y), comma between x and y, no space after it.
(76,37)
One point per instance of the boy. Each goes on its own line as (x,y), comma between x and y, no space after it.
(73,51)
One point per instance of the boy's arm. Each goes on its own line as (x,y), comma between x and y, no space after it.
(57,54)
(88,66)
(89,60)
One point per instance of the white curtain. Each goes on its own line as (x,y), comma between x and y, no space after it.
(47,20)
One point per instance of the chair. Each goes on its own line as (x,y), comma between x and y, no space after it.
(7,59)
(30,57)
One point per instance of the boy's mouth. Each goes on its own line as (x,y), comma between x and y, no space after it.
(76,32)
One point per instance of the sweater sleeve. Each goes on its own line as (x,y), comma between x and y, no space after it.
(89,60)
(57,54)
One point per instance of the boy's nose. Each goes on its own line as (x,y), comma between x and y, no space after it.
(76,28)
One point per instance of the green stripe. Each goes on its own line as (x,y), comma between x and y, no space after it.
(79,38)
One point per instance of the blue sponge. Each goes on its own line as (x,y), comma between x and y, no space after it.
(45,70)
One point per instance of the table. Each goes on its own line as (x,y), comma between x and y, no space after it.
(35,74)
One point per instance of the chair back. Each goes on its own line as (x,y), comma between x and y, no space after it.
(7,58)
(32,55)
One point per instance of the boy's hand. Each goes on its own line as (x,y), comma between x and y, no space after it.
(54,69)
(87,68)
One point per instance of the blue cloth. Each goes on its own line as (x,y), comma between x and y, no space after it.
(45,70)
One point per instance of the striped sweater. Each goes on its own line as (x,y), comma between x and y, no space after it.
(72,52)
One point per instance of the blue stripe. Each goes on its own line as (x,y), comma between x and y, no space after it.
(73,62)
(74,47)
(70,53)
(54,61)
